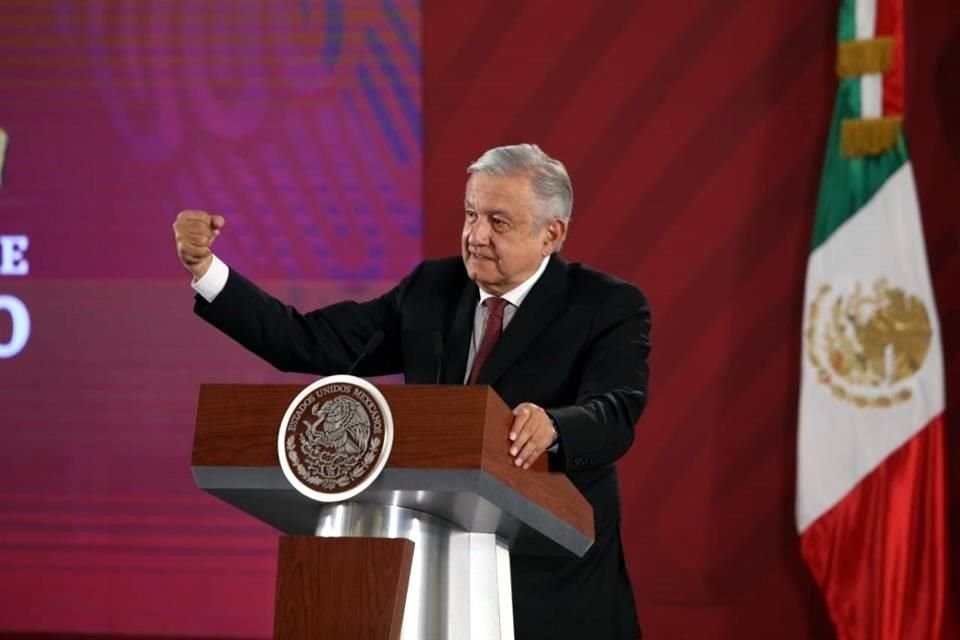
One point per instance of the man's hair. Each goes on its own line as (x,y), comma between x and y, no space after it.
(548,177)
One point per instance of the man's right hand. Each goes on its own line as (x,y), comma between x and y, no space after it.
(195,232)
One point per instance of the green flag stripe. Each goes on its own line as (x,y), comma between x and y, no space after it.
(847,26)
(848,183)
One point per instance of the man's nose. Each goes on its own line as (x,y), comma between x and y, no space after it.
(479,232)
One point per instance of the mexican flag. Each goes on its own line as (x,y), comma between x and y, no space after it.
(871,504)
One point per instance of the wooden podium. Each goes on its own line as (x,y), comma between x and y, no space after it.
(423,552)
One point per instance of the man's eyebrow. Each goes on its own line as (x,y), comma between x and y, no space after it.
(469,206)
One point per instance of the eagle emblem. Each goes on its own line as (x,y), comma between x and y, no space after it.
(866,347)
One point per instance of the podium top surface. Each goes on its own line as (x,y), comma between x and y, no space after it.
(450,457)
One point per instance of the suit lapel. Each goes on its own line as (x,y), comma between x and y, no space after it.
(458,339)
(541,305)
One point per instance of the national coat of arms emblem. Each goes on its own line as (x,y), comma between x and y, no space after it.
(335,438)
(866,348)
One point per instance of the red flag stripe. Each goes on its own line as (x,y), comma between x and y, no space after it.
(890,23)
(883,546)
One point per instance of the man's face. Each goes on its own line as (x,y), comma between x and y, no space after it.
(503,241)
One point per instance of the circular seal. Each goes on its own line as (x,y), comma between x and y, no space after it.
(335,438)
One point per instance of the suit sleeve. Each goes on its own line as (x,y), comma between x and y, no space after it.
(321,342)
(599,428)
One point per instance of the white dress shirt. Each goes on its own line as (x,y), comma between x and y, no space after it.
(213,281)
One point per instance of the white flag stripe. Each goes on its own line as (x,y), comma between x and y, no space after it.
(871,84)
(866,19)
(871,95)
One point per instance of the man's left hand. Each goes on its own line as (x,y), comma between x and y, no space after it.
(531,434)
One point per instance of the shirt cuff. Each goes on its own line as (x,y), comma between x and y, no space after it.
(213,281)
(555,447)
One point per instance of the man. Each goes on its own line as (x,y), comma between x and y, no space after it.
(564,345)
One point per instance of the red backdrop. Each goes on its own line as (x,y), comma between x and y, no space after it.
(694,133)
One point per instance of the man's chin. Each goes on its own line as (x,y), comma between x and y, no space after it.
(477,266)
(483,277)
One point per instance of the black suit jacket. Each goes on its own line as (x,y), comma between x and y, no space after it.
(577,346)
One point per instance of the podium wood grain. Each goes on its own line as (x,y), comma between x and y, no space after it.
(349,588)
(436,428)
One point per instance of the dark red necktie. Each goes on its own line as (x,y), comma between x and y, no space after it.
(491,334)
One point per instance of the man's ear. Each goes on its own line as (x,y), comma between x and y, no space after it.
(556,232)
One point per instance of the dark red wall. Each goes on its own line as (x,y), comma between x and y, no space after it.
(694,134)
